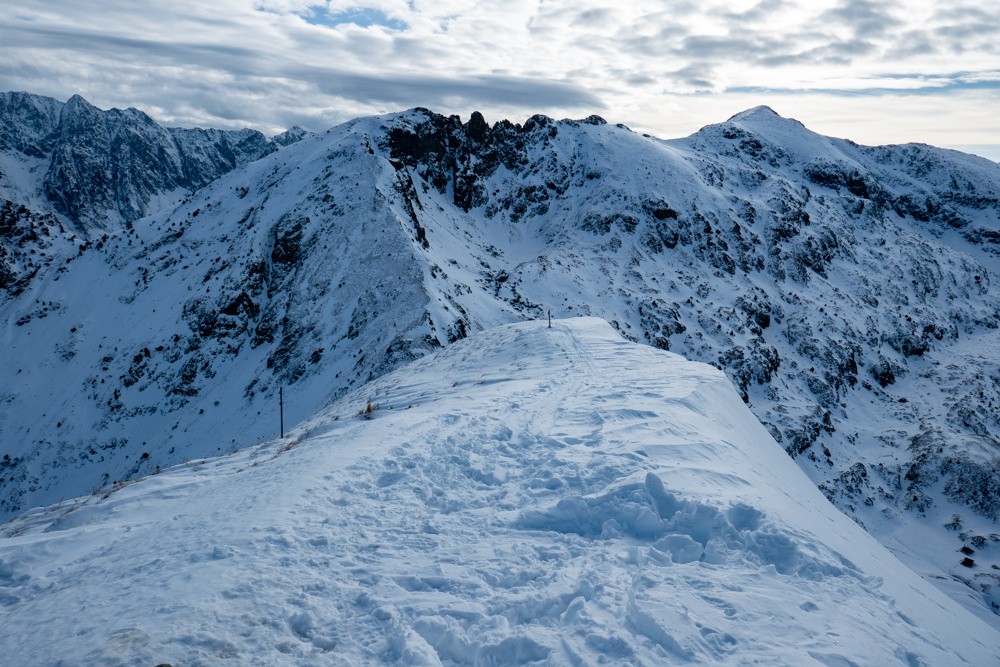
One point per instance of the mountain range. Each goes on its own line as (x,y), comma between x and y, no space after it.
(158,287)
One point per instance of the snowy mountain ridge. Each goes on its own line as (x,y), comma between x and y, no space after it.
(71,173)
(103,169)
(531,494)
(845,290)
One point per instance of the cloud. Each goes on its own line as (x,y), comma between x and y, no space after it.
(593,18)
(85,41)
(426,90)
(758,13)
(694,77)
(274,63)
(864,18)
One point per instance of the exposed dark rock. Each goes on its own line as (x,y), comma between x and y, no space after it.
(107,166)
(659,323)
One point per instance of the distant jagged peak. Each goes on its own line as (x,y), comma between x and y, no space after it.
(21,97)
(78,103)
(478,124)
(420,115)
(77,106)
(106,166)
(78,117)
(290,136)
(27,122)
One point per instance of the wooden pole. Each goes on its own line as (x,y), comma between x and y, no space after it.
(281,410)
(550,318)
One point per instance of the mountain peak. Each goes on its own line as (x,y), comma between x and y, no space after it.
(78,101)
(760,111)
(290,136)
(785,138)
(762,117)
(79,116)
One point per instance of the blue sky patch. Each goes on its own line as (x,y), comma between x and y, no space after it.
(364,18)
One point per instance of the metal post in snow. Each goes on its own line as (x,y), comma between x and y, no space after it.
(281,410)
(550,318)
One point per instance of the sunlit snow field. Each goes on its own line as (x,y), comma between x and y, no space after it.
(528,494)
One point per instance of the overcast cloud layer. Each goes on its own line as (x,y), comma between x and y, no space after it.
(876,72)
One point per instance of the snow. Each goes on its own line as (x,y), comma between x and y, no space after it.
(305,270)
(525,495)
(21,179)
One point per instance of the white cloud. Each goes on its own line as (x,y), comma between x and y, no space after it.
(667,67)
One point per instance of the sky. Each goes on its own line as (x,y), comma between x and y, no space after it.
(875,72)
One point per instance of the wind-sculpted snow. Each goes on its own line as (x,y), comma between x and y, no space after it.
(848,292)
(531,494)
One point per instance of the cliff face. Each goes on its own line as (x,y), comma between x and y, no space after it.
(106,168)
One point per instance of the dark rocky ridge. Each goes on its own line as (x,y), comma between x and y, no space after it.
(93,172)
(106,167)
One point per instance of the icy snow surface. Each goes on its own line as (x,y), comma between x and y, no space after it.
(527,494)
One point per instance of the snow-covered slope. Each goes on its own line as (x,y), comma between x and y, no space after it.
(527,495)
(847,291)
